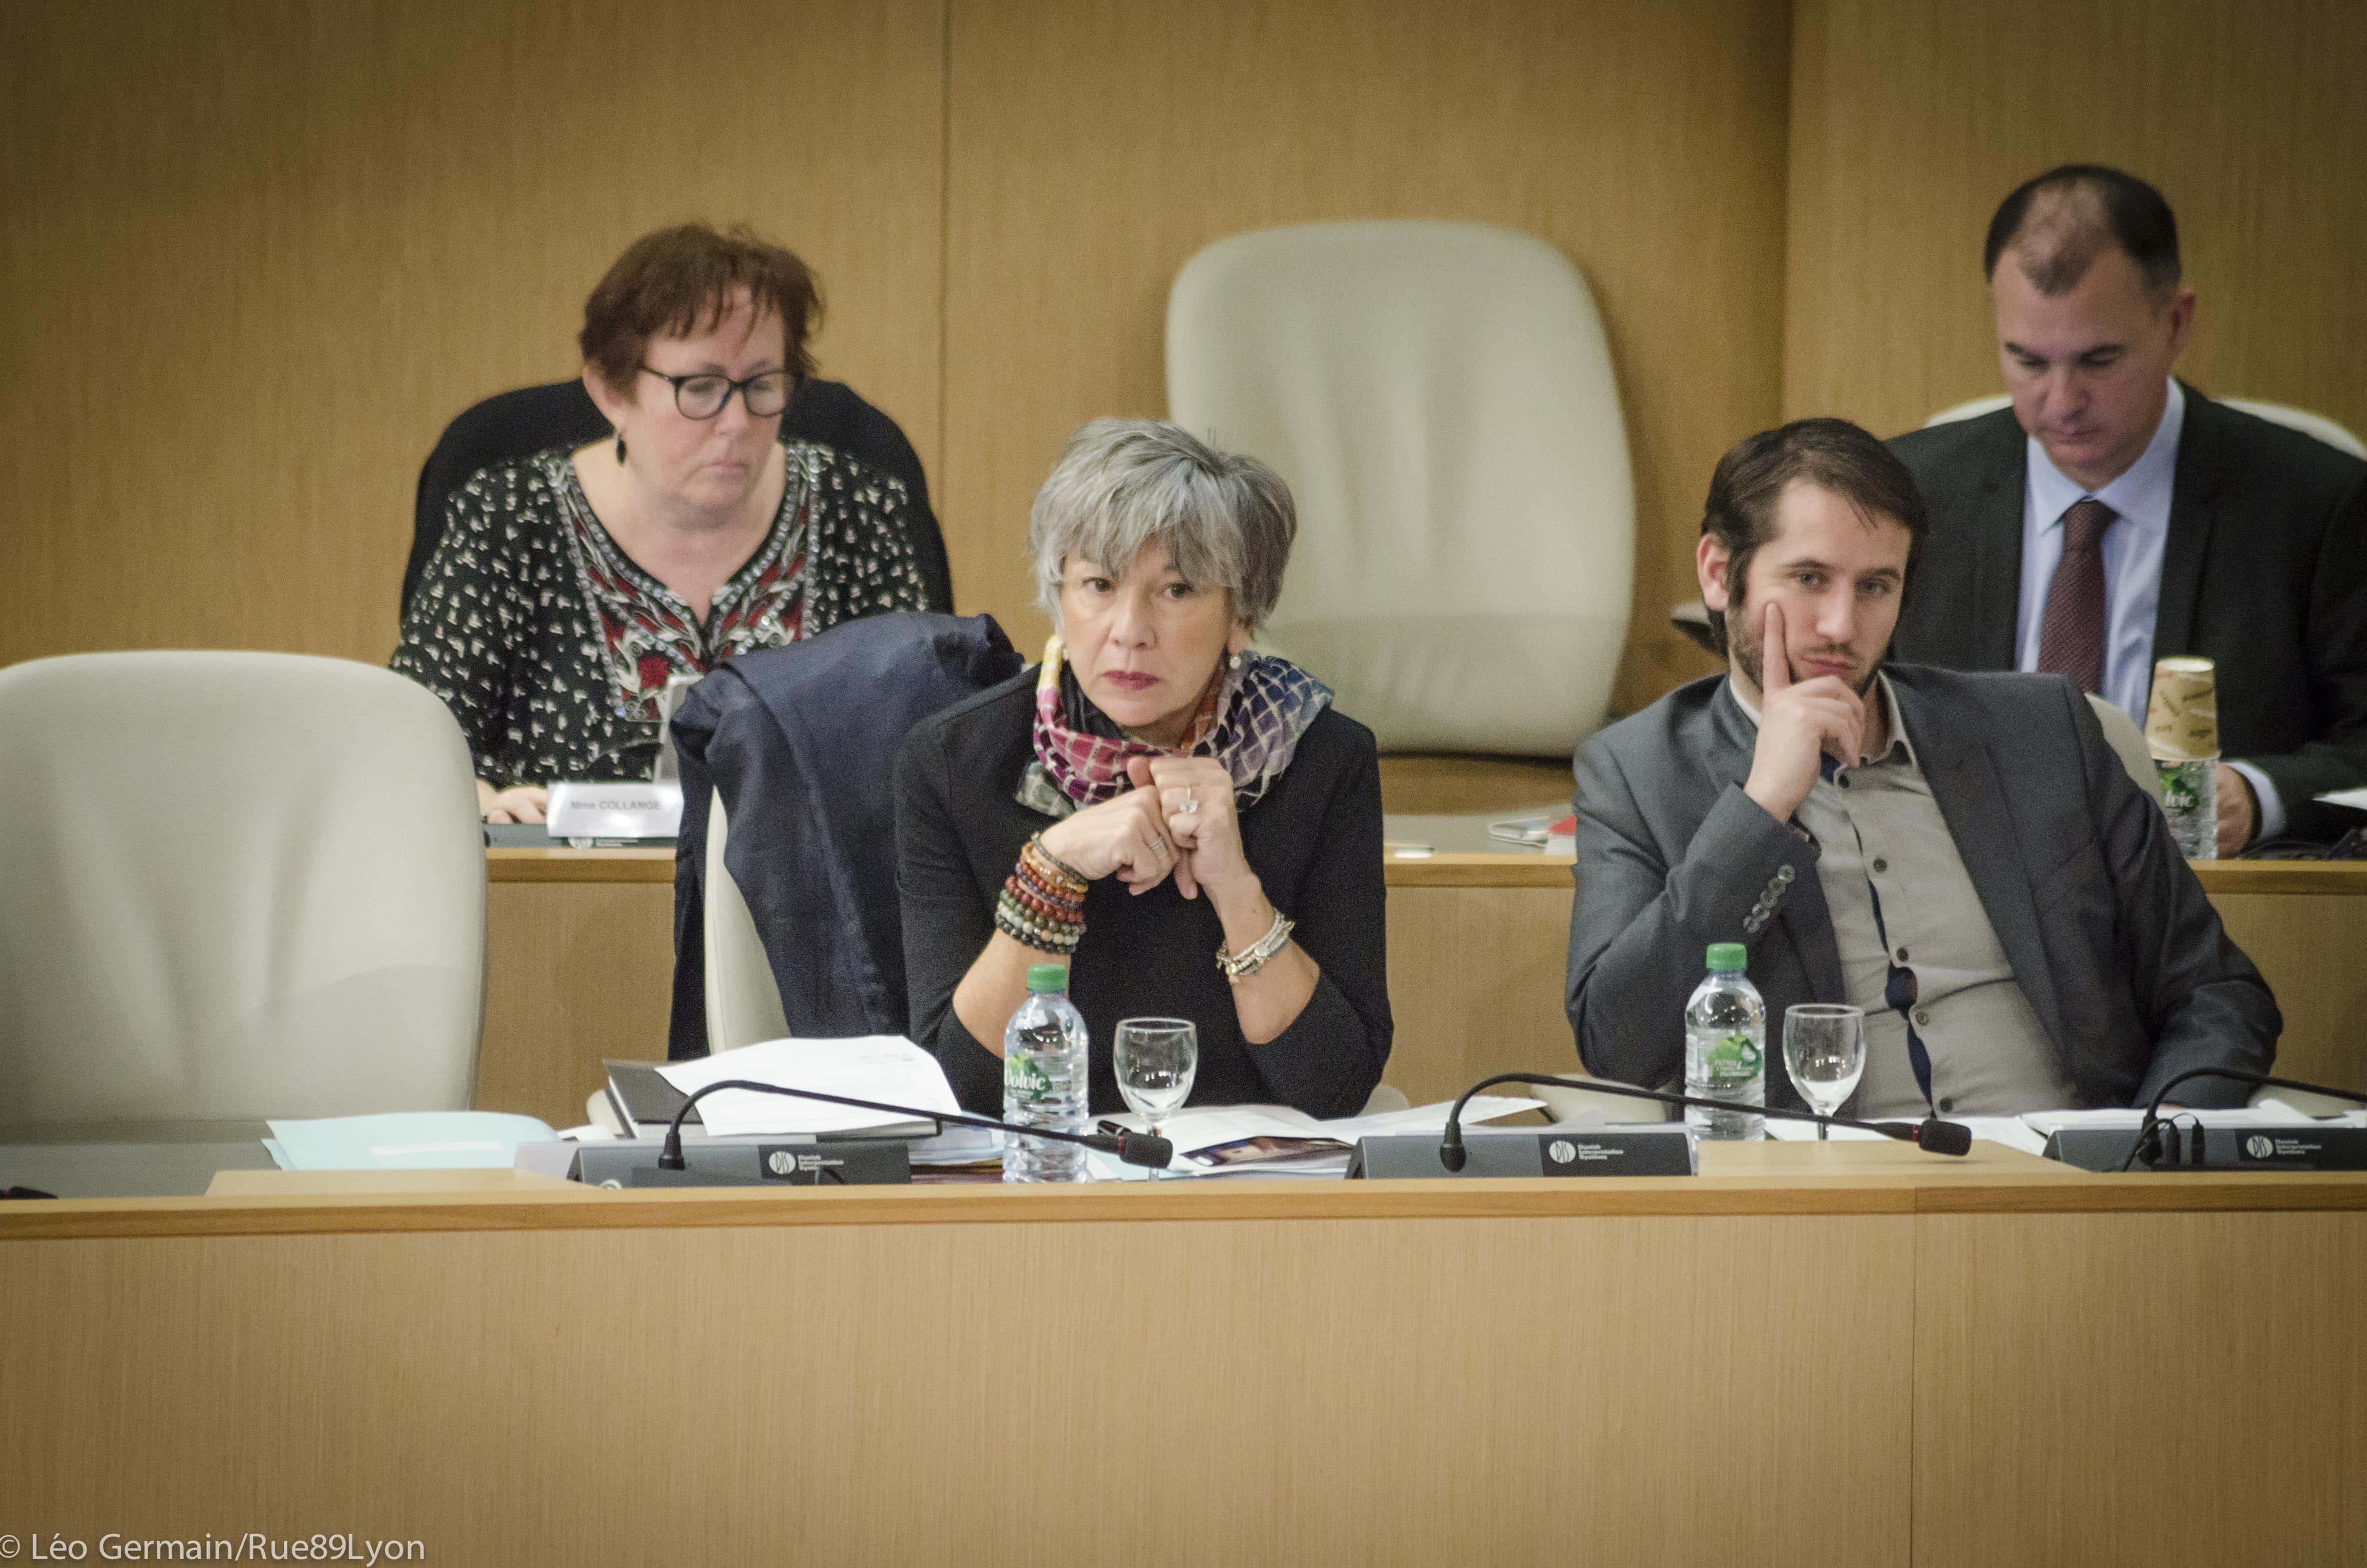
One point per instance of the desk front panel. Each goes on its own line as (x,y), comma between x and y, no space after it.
(2140,1388)
(1564,1389)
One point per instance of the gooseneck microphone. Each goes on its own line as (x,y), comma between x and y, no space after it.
(1931,1135)
(2149,1135)
(1134,1148)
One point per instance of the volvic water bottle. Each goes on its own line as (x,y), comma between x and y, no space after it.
(1726,1048)
(1044,1080)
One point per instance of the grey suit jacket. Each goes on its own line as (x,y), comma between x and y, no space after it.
(2264,570)
(2109,935)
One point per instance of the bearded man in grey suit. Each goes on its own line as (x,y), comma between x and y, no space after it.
(1963,855)
(2116,516)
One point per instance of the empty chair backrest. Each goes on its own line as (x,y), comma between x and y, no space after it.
(743,1005)
(1439,397)
(2300,419)
(2128,743)
(234,886)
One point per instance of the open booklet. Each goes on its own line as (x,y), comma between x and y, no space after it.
(1275,1141)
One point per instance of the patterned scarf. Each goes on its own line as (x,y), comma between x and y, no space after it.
(1250,719)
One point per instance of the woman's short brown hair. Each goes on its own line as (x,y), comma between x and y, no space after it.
(681,281)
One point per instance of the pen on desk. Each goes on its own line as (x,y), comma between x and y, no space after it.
(1109,1126)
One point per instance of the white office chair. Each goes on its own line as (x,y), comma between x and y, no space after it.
(744,1001)
(237,886)
(1439,397)
(2300,419)
(2129,742)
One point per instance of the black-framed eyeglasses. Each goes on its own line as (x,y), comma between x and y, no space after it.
(702,397)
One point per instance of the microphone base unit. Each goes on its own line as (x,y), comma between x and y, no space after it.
(1649,1149)
(854,1162)
(2300,1147)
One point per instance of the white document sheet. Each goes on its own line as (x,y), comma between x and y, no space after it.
(2046,1122)
(2009,1130)
(2355,1116)
(1784,1131)
(870,1067)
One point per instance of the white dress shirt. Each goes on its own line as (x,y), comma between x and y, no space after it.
(2131,548)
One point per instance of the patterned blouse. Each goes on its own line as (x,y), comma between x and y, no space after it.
(551,647)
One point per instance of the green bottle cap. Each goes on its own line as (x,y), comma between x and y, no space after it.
(1055,976)
(1725,958)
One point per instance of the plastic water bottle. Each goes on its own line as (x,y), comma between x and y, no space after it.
(2190,798)
(1726,1048)
(1044,1080)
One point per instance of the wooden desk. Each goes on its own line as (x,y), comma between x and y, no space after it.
(1847,1353)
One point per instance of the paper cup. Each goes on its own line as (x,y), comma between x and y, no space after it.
(2183,718)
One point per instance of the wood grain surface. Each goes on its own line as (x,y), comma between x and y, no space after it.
(2140,1390)
(1911,121)
(1246,1392)
(1096,144)
(259,252)
(575,974)
(1769,1177)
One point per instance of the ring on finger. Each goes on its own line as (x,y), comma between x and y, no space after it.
(1191,803)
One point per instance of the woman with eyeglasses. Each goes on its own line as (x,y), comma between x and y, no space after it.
(568,586)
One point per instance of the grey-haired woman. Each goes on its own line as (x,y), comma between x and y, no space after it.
(1188,824)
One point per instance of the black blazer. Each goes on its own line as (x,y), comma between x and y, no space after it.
(802,743)
(2264,570)
(1314,840)
(2110,935)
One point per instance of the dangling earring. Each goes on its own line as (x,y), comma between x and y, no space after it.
(620,449)
(1235,662)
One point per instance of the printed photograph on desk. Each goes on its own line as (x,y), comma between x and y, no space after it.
(1268,1149)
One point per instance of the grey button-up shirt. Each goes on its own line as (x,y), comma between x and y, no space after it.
(1878,828)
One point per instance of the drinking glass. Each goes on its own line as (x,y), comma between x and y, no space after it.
(1824,1050)
(1156,1060)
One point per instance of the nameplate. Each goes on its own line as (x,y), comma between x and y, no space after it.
(2303,1146)
(1568,1150)
(627,810)
(855,1161)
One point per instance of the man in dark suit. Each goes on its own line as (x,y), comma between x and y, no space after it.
(2116,516)
(1962,855)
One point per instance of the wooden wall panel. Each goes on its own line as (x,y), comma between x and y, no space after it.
(1912,119)
(1095,145)
(258,254)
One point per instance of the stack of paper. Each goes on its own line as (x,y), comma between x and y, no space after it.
(869,1067)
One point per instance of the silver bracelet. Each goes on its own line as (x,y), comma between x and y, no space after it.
(1253,959)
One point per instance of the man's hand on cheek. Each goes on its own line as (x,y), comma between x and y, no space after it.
(1798,724)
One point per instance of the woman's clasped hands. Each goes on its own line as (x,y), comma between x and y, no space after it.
(1178,820)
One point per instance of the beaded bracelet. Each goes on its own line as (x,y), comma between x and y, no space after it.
(1042,902)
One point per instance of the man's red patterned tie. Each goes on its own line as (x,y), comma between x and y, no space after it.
(2071,634)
